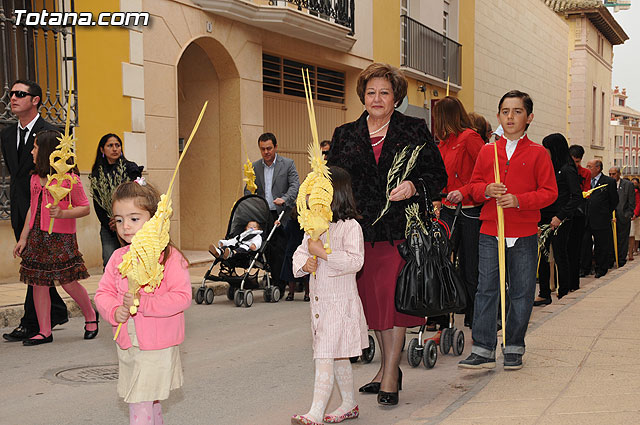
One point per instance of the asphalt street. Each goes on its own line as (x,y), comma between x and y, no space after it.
(241,366)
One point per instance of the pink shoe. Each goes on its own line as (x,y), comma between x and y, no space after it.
(351,414)
(302,420)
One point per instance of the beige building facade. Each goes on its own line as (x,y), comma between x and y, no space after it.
(624,134)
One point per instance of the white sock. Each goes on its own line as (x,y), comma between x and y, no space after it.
(344,378)
(321,389)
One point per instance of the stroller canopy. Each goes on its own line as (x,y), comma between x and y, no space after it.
(246,209)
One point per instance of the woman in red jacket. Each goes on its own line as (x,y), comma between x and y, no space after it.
(459,146)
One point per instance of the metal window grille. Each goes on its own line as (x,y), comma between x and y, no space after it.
(281,75)
(41,53)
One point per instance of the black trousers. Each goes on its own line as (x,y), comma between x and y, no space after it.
(602,249)
(623,230)
(59,313)
(559,242)
(576,234)
(276,251)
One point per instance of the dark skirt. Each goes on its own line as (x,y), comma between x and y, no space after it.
(377,287)
(51,259)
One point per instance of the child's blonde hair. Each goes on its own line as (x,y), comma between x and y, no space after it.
(145,197)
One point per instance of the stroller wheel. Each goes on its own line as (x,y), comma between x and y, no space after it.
(445,340)
(199,295)
(430,354)
(368,353)
(238,298)
(414,353)
(248,299)
(231,291)
(208,296)
(267,295)
(275,294)
(458,342)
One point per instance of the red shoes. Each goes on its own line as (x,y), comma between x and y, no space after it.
(301,420)
(351,414)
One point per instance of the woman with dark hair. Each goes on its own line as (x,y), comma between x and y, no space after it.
(481,126)
(367,148)
(559,216)
(110,168)
(459,146)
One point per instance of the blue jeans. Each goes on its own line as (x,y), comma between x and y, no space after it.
(110,243)
(521,261)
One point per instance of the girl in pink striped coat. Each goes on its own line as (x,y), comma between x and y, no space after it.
(337,320)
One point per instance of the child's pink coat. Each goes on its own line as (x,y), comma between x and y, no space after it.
(160,318)
(60,225)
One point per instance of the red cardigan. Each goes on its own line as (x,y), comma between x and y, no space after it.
(528,174)
(459,153)
(585,173)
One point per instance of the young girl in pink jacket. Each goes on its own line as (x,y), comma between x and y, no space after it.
(147,345)
(51,259)
(338,324)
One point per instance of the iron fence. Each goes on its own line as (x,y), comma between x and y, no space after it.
(430,52)
(41,53)
(342,12)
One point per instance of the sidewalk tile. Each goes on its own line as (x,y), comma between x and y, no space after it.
(597,404)
(500,409)
(608,418)
(529,383)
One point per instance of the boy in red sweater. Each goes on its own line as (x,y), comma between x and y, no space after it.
(527,184)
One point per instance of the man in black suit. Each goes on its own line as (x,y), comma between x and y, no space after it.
(17,143)
(600,206)
(624,213)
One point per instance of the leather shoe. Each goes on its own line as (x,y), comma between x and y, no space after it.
(19,334)
(599,275)
(91,334)
(543,301)
(387,399)
(371,388)
(43,340)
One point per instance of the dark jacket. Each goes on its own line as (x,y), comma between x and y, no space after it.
(626,201)
(132,170)
(601,204)
(569,195)
(20,169)
(351,149)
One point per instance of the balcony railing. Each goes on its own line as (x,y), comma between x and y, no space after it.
(430,52)
(342,12)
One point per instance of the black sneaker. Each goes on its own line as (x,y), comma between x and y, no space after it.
(475,361)
(512,361)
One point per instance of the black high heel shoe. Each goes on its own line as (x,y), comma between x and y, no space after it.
(371,388)
(390,399)
(91,334)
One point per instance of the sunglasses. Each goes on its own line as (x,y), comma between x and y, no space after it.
(19,94)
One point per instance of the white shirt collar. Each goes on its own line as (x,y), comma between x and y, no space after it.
(512,145)
(30,125)
(272,164)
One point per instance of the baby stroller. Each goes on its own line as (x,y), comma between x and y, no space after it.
(247,208)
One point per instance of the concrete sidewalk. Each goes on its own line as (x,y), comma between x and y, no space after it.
(582,365)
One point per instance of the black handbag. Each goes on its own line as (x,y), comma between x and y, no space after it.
(428,284)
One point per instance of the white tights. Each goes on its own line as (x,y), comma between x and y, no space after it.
(325,372)
(145,413)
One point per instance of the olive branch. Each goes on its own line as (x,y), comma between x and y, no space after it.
(399,170)
(103,185)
